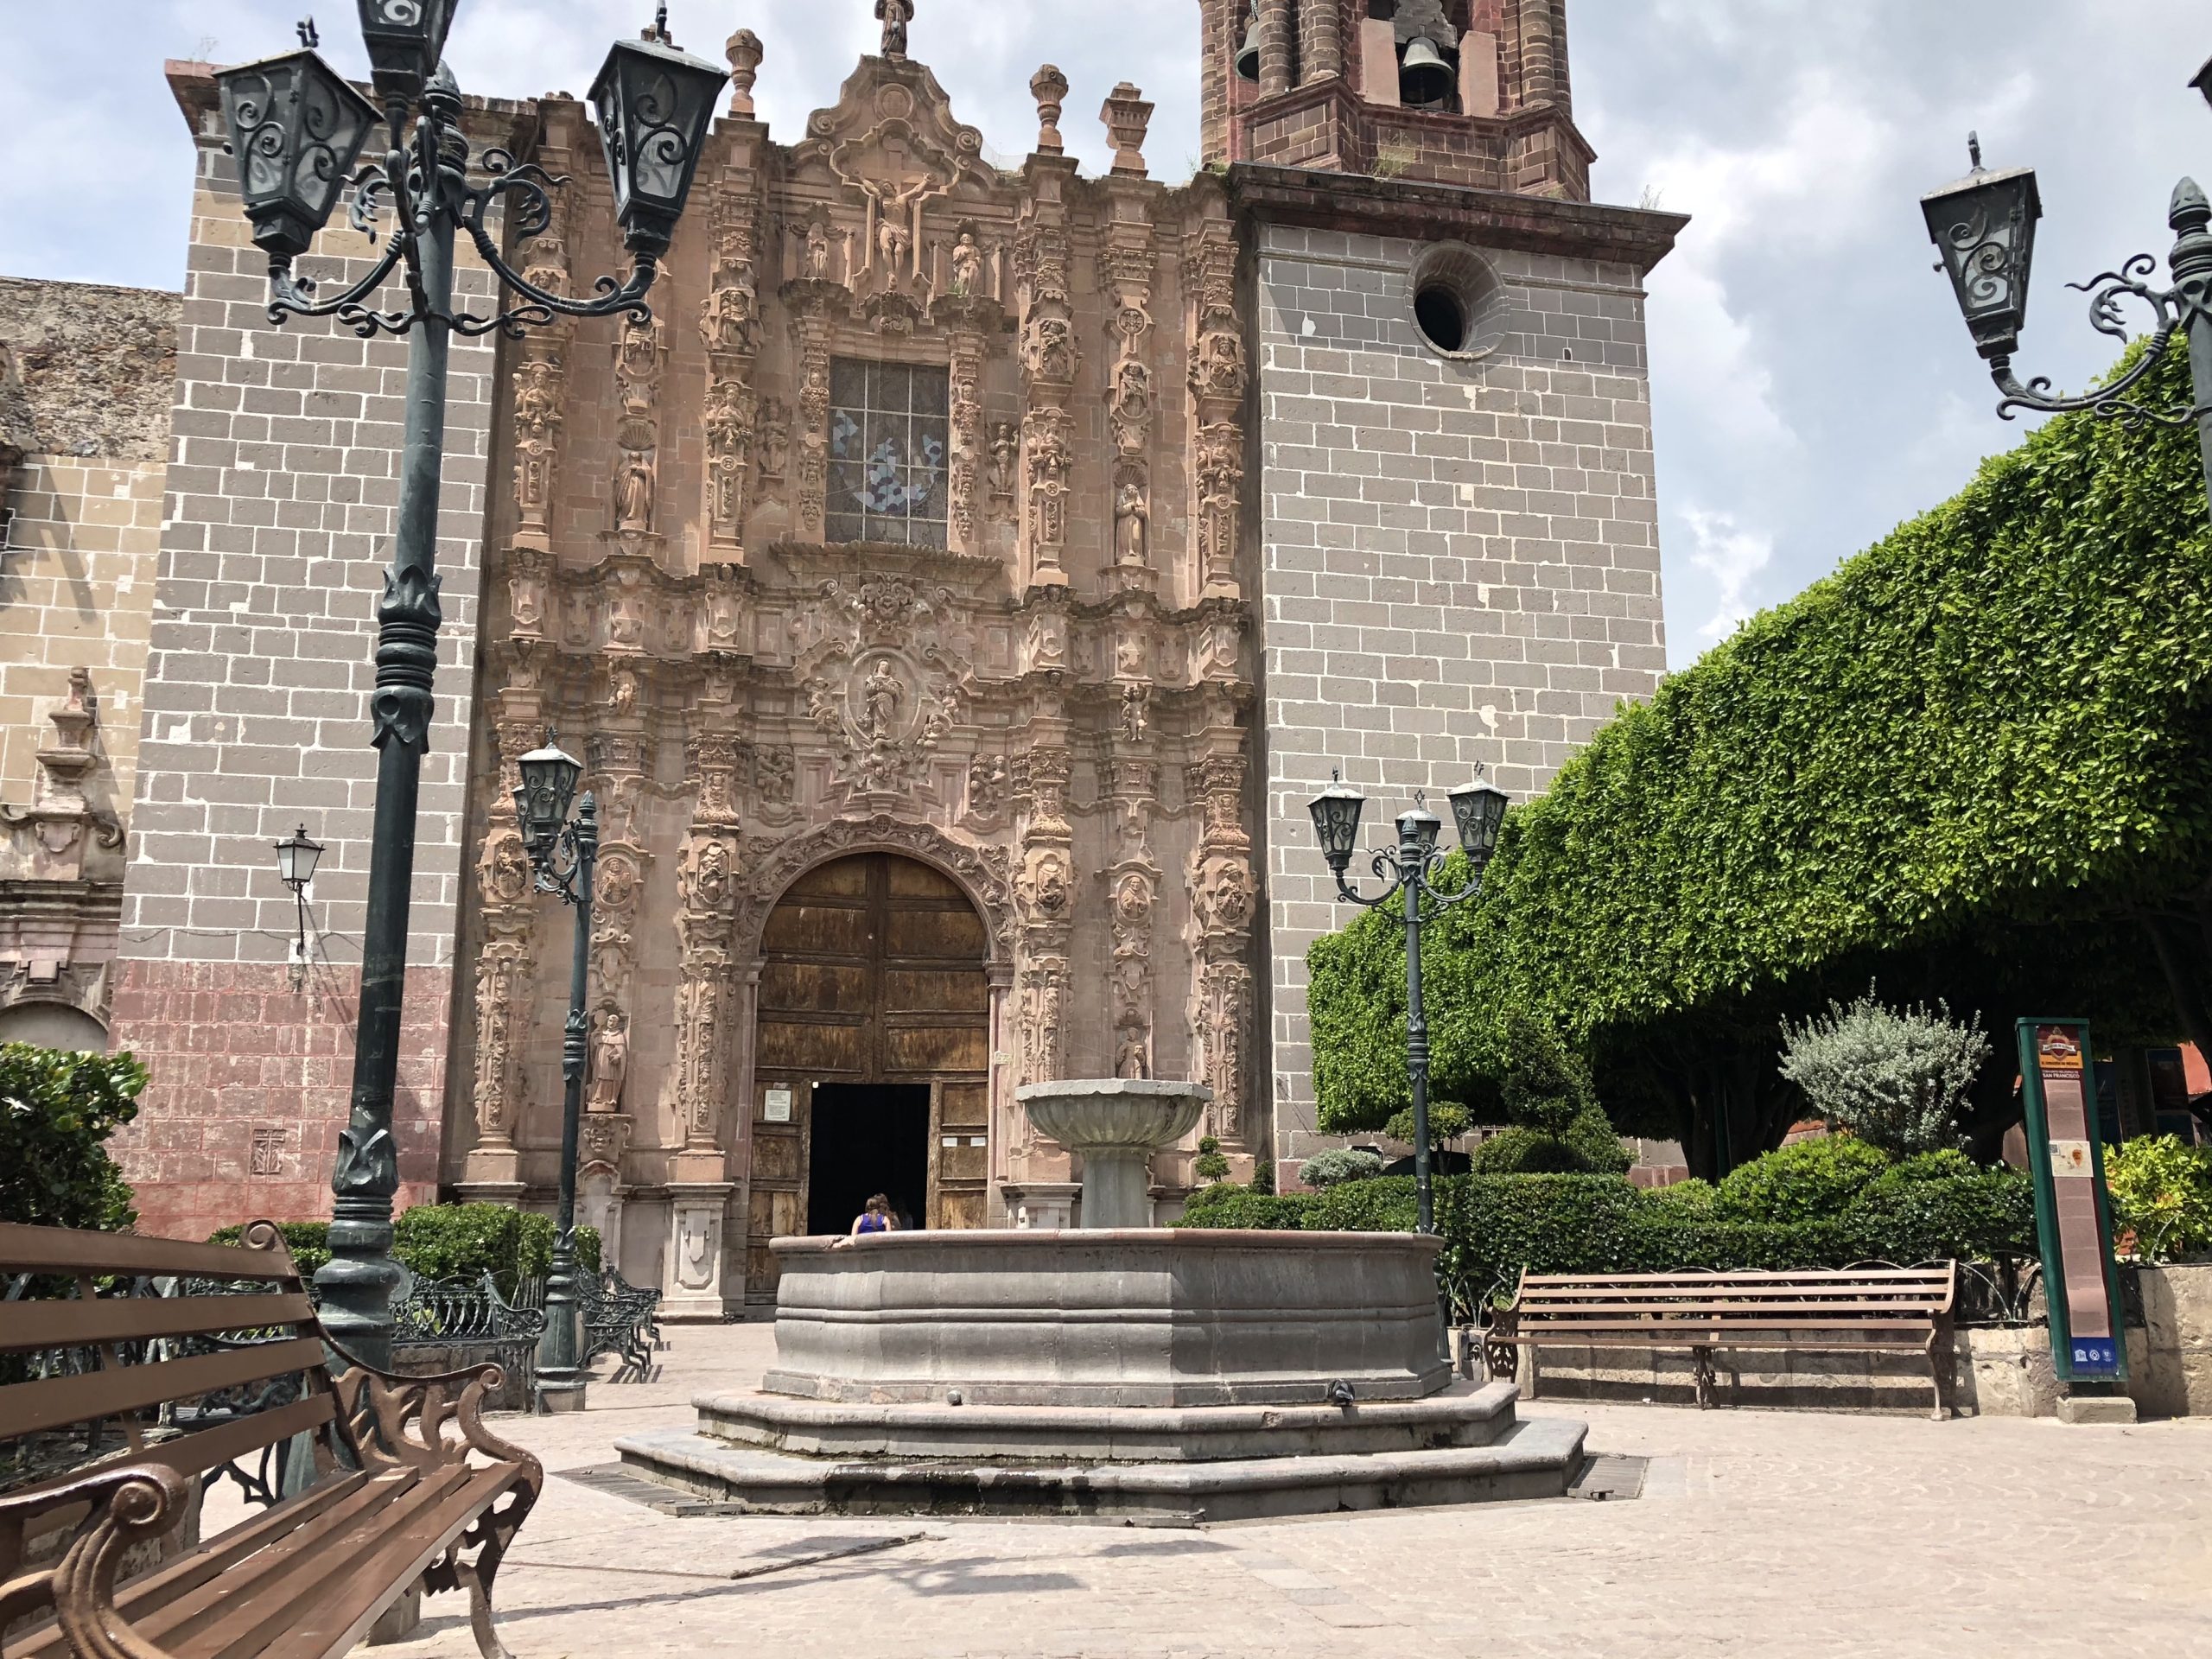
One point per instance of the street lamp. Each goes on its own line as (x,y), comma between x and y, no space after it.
(295,860)
(295,130)
(1477,810)
(1984,226)
(564,854)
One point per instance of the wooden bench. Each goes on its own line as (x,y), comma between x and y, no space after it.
(180,1359)
(1849,1310)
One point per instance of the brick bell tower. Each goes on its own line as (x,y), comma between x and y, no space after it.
(1449,483)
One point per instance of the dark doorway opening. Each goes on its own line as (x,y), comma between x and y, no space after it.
(868,1137)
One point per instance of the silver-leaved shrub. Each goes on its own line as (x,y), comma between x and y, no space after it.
(1894,1077)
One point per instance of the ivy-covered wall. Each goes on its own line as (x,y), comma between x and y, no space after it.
(1972,763)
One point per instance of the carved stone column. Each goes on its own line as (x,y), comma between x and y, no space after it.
(506,961)
(1222,898)
(640,354)
(707,890)
(1216,380)
(970,323)
(1133,884)
(1044,899)
(1050,357)
(817,304)
(1126,268)
(730,320)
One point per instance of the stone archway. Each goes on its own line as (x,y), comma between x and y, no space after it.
(871,1053)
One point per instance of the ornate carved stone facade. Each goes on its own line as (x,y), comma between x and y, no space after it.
(1030,672)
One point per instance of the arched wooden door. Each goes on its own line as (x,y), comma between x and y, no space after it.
(872,1054)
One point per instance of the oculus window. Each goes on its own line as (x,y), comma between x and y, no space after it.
(886,453)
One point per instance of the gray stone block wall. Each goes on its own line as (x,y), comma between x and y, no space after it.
(1460,560)
(281,491)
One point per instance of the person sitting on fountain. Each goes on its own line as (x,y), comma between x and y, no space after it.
(875,1218)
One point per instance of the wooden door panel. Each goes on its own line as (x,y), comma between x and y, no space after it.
(934,1048)
(961,1209)
(936,990)
(816,930)
(944,935)
(789,1046)
(967,1106)
(813,987)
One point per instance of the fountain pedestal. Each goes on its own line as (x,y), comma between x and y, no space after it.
(1115,1125)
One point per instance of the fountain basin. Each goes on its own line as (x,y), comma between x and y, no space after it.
(1107,1318)
(1115,1125)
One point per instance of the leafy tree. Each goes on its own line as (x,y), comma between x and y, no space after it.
(57,1110)
(2161,1189)
(1895,1078)
(1446,1122)
(1975,763)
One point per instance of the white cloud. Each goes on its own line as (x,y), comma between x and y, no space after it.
(1731,557)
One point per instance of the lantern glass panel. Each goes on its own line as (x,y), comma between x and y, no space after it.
(1985,227)
(1478,811)
(1336,812)
(1422,825)
(295,126)
(296,857)
(654,103)
(405,39)
(549,783)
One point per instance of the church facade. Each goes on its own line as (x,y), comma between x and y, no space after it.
(954,593)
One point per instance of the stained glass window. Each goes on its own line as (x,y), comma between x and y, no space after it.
(886,453)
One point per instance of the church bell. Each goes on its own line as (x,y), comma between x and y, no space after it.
(1247,55)
(1423,76)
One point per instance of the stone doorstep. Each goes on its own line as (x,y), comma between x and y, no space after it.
(1466,1414)
(1196,1392)
(1537,1458)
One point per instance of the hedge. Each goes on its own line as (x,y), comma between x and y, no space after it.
(1975,763)
(450,1241)
(57,1109)
(1496,1226)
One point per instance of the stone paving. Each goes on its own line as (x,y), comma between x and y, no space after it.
(1758,1532)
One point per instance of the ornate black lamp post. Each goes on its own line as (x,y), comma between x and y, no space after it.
(1477,810)
(564,853)
(1985,226)
(295,129)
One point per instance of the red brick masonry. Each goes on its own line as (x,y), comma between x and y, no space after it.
(250,1087)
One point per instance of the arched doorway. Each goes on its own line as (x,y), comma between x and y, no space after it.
(872,1050)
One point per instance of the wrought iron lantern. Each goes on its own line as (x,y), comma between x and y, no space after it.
(295,859)
(1985,226)
(1478,810)
(549,783)
(654,102)
(1336,812)
(405,39)
(1418,826)
(296,127)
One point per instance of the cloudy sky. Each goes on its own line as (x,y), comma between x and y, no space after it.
(1813,383)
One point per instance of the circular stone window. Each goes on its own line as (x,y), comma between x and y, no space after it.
(1458,303)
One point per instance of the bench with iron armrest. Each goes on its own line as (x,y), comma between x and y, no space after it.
(621,1320)
(390,1499)
(1849,1310)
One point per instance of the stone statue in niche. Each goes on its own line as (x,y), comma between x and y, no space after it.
(610,1062)
(1129,515)
(1005,446)
(988,784)
(1133,713)
(967,265)
(634,491)
(881,698)
(774,768)
(816,262)
(775,438)
(510,871)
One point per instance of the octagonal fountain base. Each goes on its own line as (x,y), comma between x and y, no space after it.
(1141,1375)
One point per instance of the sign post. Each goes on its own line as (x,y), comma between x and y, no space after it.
(2080,1281)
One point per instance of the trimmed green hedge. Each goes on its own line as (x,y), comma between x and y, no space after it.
(449,1241)
(1963,765)
(1496,1226)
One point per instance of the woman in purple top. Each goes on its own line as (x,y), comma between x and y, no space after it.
(876,1219)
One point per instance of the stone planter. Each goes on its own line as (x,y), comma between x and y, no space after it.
(2174,1379)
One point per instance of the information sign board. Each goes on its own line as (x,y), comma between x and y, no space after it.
(2073,1221)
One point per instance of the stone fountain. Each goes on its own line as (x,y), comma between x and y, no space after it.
(1153,1375)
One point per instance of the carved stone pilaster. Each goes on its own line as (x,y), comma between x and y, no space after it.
(1217,377)
(730,322)
(971,452)
(815,302)
(1045,902)
(1050,359)
(640,354)
(1223,898)
(707,890)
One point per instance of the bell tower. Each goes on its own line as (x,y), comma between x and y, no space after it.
(1455,545)
(1471,92)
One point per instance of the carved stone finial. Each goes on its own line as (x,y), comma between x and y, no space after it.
(1126,117)
(896,15)
(1050,88)
(743,51)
